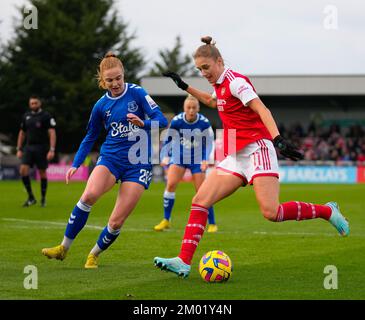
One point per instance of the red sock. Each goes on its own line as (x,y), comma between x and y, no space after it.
(295,210)
(193,232)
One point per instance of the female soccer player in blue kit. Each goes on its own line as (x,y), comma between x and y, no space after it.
(122,111)
(188,148)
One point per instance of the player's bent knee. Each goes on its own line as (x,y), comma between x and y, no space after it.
(90,197)
(269,214)
(115,224)
(201,201)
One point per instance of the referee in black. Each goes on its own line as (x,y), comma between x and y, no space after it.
(36,146)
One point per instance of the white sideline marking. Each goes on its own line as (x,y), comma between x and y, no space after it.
(62,224)
(41,223)
(48,222)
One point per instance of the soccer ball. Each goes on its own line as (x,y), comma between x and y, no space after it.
(215,266)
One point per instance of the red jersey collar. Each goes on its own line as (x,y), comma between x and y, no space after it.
(222,76)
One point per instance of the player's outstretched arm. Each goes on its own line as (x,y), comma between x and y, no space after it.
(177,79)
(202,96)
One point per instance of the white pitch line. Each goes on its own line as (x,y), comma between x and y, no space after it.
(48,222)
(61,224)
(269,233)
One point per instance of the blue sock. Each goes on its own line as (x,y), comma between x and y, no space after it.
(211,218)
(168,203)
(107,237)
(77,219)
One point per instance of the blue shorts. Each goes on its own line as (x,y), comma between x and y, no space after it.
(125,171)
(194,168)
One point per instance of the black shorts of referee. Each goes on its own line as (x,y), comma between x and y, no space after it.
(35,154)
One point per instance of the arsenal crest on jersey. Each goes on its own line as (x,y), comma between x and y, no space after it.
(223,91)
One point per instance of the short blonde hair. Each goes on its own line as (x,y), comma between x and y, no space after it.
(192,98)
(109,61)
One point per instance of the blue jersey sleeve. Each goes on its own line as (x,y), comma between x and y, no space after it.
(93,130)
(151,109)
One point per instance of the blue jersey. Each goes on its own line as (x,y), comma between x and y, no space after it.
(188,142)
(111,113)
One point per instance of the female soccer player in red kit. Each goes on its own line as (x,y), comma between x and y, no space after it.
(251,160)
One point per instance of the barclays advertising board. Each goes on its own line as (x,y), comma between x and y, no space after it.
(313,174)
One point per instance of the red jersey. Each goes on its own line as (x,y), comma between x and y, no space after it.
(240,123)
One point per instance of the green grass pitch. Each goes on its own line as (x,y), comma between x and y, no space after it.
(271,260)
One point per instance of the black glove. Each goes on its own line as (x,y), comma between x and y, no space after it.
(287,149)
(177,79)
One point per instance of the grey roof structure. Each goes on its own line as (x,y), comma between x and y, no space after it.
(281,85)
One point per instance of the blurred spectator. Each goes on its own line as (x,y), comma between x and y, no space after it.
(333,143)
